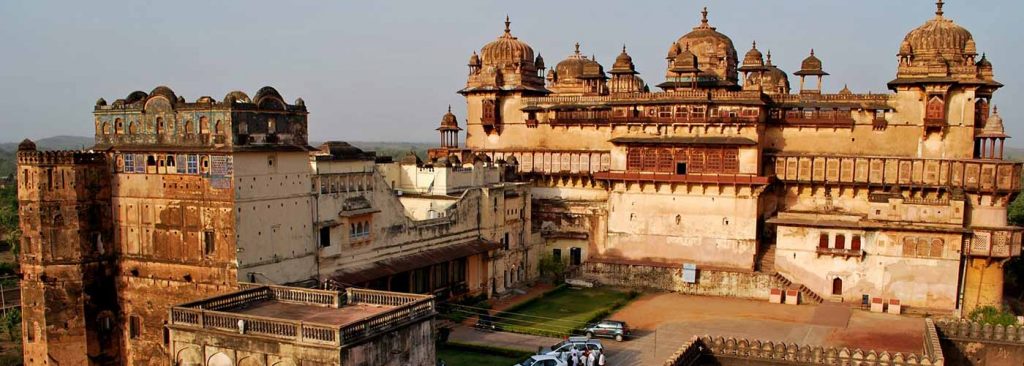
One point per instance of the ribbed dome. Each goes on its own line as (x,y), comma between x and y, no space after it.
(939,37)
(984,62)
(714,50)
(506,50)
(449,121)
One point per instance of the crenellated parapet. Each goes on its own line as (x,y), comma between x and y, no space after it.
(974,331)
(61,157)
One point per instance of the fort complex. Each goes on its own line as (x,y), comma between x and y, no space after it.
(164,243)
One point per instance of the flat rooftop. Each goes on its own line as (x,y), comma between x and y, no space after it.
(671,319)
(312,314)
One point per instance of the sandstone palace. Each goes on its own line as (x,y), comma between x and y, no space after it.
(733,179)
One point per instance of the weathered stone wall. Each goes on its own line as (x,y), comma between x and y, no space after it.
(411,345)
(710,281)
(972,344)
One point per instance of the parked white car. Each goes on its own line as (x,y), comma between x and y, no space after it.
(579,343)
(542,360)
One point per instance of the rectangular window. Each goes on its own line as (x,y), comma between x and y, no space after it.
(823,241)
(208,243)
(855,243)
(180,163)
(129,163)
(193,164)
(681,168)
(140,163)
(840,242)
(556,254)
(325,237)
(134,326)
(506,241)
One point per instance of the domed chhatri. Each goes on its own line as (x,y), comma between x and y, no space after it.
(26,145)
(449,121)
(505,63)
(939,48)
(715,53)
(506,50)
(624,75)
(577,74)
(811,66)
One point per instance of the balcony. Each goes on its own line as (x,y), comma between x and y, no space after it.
(840,252)
(687,178)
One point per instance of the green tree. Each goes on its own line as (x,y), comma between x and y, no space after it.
(11,322)
(551,268)
(992,315)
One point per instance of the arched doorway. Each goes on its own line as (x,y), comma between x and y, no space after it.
(837,286)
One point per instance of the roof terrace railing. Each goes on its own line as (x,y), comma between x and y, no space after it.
(214,314)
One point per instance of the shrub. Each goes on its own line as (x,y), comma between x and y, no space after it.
(552,269)
(992,315)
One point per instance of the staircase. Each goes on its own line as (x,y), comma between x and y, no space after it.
(765,260)
(808,295)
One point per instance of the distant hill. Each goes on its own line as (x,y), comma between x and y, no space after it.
(53,143)
(1014,153)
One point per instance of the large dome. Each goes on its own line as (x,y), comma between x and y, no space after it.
(715,52)
(939,37)
(506,50)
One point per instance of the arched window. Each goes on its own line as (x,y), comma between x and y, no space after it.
(132,129)
(271,126)
(837,286)
(855,243)
(189,127)
(118,126)
(218,128)
(204,125)
(159,125)
(823,241)
(840,242)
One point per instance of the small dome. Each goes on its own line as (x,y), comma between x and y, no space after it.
(811,66)
(774,80)
(101,102)
(506,50)
(237,96)
(685,62)
(673,51)
(449,121)
(573,67)
(623,63)
(164,92)
(984,62)
(474,60)
(206,99)
(300,102)
(26,145)
(753,60)
(539,62)
(135,96)
(846,90)
(994,125)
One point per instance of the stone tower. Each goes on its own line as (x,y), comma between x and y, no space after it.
(69,308)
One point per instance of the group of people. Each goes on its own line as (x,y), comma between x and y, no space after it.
(585,358)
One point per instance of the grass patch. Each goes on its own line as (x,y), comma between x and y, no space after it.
(563,311)
(461,354)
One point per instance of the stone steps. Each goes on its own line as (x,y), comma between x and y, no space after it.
(808,294)
(766,260)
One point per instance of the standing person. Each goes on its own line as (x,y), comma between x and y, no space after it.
(600,359)
(591,358)
(582,361)
(574,356)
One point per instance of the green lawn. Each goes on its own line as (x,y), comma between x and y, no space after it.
(455,355)
(563,311)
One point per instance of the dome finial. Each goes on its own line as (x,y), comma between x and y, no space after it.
(577,48)
(995,109)
(769,57)
(508,30)
(623,48)
(812,52)
(755,45)
(704,16)
(938,8)
(449,108)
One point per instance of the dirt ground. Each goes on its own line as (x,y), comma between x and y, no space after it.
(665,319)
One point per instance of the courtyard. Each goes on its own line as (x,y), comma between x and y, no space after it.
(662,322)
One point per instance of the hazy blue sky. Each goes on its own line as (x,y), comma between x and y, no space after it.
(387,70)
